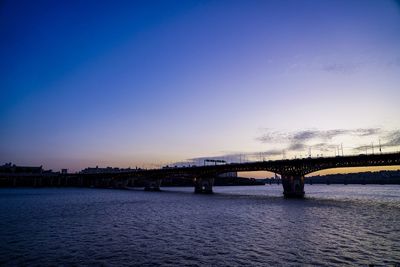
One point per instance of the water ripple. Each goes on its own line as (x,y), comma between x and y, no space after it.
(237,226)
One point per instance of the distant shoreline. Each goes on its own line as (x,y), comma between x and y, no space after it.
(13,180)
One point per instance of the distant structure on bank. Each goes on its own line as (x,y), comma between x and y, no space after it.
(381,177)
(12,168)
(95,170)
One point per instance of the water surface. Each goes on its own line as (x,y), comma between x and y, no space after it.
(335,225)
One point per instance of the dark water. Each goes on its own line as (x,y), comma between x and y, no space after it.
(238,226)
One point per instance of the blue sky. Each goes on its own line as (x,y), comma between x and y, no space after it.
(146,83)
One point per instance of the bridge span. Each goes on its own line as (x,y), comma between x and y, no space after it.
(292,171)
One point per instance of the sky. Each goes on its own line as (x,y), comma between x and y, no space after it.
(150,83)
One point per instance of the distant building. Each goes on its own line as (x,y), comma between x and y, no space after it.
(91,170)
(64,171)
(12,168)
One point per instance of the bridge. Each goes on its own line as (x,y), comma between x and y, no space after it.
(202,177)
(292,171)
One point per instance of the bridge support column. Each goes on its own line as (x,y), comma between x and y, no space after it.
(293,186)
(203,185)
(152,185)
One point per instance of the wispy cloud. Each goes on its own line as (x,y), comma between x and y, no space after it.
(341,68)
(239,157)
(296,147)
(324,147)
(325,141)
(233,157)
(292,143)
(306,135)
(392,139)
(345,68)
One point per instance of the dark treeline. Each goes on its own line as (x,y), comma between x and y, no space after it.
(382,177)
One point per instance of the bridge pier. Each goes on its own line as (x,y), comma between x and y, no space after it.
(293,186)
(203,185)
(152,185)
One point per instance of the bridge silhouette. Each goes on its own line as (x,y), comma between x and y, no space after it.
(292,172)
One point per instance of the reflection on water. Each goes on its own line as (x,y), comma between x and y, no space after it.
(335,225)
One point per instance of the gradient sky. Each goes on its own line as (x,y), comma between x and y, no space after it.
(145,83)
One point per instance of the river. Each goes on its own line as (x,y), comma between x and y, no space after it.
(335,225)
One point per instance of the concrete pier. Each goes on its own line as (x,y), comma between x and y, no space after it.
(293,186)
(152,185)
(203,185)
